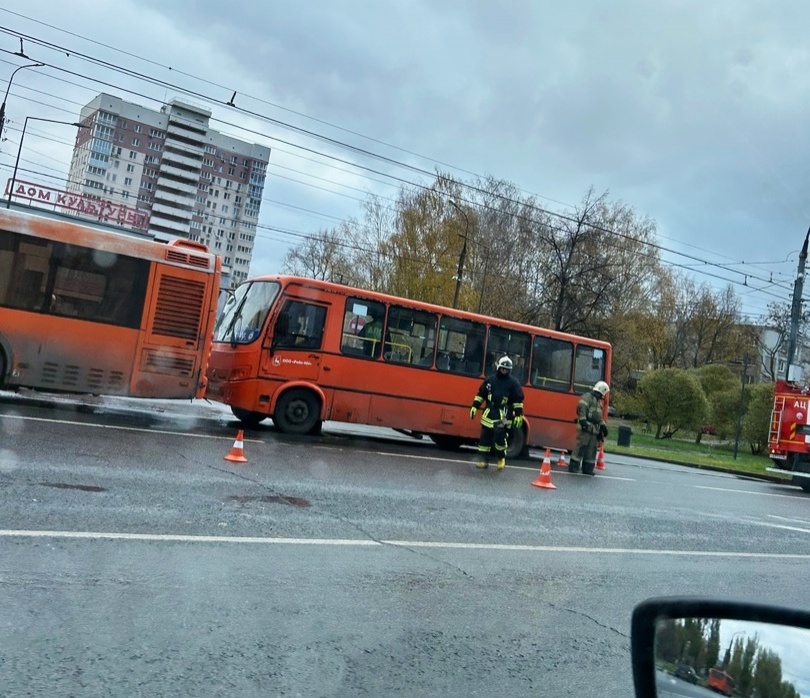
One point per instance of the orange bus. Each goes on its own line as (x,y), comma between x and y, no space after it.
(720,682)
(303,351)
(84,310)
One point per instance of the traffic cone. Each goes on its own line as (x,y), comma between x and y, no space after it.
(600,458)
(237,452)
(561,460)
(544,478)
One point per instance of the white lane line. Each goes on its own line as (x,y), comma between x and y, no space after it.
(781,526)
(786,518)
(181,538)
(119,428)
(759,494)
(514,467)
(367,543)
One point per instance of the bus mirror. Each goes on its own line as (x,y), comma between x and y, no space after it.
(731,648)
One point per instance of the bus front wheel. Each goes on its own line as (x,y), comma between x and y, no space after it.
(297,412)
(248,417)
(516,448)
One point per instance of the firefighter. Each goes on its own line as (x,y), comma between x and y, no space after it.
(504,408)
(592,429)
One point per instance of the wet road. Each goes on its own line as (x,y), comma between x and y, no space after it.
(135,560)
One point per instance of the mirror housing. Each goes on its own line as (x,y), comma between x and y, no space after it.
(647,615)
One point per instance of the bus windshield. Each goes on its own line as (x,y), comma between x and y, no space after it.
(245,311)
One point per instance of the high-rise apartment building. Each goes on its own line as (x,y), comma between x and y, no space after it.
(186,178)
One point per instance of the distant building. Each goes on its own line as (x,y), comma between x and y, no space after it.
(190,180)
(770,355)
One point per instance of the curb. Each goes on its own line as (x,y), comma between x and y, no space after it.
(713,468)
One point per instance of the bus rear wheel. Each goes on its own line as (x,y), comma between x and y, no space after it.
(516,448)
(297,412)
(248,417)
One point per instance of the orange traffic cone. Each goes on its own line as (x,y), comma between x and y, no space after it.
(237,452)
(544,478)
(561,460)
(600,458)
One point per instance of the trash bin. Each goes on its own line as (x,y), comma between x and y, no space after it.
(624,436)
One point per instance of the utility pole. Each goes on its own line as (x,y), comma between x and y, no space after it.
(796,307)
(463,252)
(741,408)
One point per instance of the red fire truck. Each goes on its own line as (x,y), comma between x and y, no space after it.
(789,438)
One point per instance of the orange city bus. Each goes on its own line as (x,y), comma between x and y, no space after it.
(304,351)
(84,310)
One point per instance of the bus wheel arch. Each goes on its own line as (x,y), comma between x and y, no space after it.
(5,361)
(298,411)
(248,417)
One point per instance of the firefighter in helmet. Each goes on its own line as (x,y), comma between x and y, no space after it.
(592,429)
(504,408)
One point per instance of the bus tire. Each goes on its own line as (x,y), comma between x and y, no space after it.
(297,412)
(248,417)
(3,367)
(447,443)
(517,449)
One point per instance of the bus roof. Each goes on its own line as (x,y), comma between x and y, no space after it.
(384,297)
(182,252)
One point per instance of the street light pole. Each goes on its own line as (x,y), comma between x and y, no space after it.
(5,98)
(19,149)
(463,252)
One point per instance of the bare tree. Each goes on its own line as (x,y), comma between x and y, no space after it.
(319,256)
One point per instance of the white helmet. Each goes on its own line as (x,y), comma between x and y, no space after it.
(602,388)
(505,362)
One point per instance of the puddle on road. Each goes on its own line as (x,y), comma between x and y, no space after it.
(271,499)
(65,486)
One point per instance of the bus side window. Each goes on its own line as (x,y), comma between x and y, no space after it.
(516,345)
(363,322)
(461,346)
(551,363)
(299,326)
(413,337)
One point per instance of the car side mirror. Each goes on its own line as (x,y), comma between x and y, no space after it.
(690,647)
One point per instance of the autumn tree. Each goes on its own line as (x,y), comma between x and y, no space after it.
(672,399)
(757,420)
(722,390)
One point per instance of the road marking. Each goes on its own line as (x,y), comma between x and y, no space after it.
(783,527)
(760,494)
(368,543)
(785,518)
(112,426)
(514,467)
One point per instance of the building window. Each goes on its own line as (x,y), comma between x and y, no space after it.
(128,181)
(130,167)
(137,128)
(133,155)
(135,142)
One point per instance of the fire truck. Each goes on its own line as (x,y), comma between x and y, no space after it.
(789,438)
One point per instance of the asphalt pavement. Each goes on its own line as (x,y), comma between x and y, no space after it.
(135,560)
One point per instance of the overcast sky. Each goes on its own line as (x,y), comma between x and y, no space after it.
(694,113)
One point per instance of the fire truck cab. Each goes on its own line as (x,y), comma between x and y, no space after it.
(789,437)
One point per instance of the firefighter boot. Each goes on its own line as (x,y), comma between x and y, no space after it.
(482,462)
(501,463)
(573,465)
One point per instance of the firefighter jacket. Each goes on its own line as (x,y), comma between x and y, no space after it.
(589,413)
(503,397)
